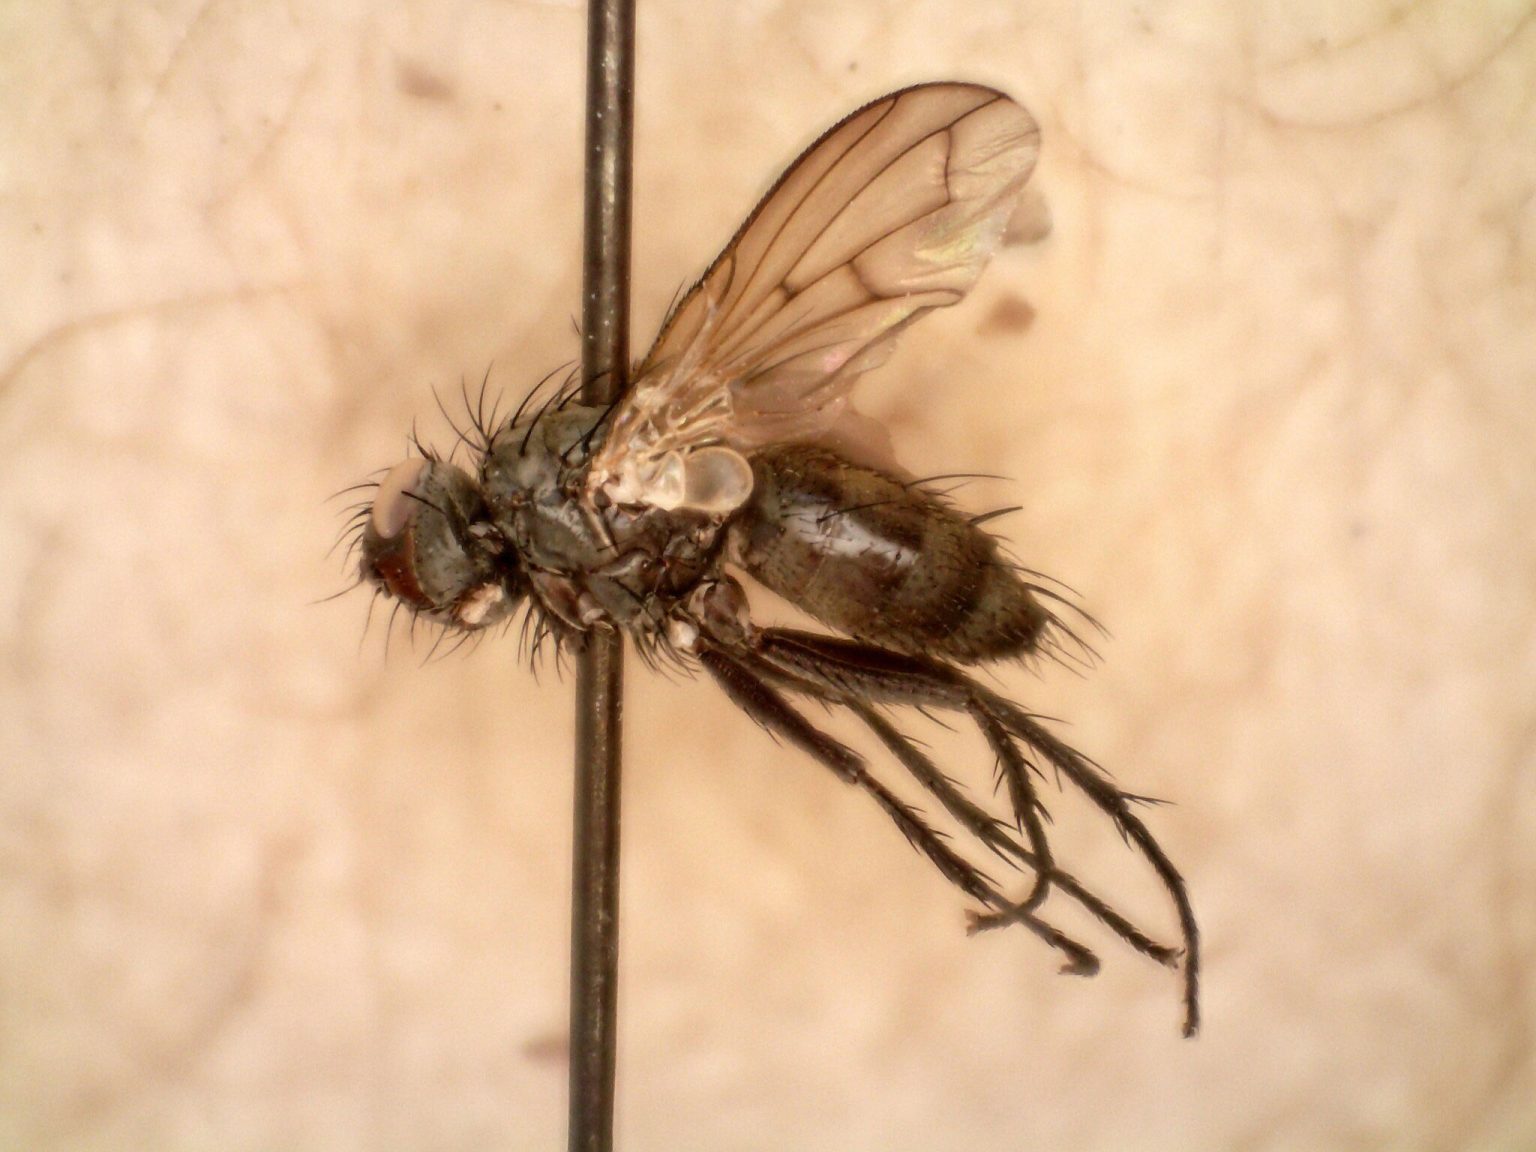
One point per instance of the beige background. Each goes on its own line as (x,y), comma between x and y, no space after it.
(262,888)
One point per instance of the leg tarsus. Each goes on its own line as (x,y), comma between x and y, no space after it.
(1081,960)
(1116,804)
(1026,805)
(992,833)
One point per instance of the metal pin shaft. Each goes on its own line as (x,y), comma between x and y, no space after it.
(599,673)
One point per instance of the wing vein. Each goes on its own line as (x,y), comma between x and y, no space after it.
(920,212)
(892,212)
(789,219)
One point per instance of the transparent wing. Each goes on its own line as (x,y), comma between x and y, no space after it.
(893,212)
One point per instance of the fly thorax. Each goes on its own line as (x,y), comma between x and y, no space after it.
(539,456)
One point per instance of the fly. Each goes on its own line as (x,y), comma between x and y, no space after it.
(721,459)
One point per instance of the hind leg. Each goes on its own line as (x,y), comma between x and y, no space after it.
(756,666)
(859,674)
(750,685)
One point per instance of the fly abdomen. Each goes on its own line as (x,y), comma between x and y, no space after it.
(884,562)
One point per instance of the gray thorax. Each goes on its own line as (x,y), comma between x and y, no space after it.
(589,565)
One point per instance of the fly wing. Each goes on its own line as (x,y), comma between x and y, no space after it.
(893,212)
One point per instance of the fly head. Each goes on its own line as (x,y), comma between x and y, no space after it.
(429,542)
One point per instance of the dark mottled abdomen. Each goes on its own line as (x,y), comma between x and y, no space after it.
(882,561)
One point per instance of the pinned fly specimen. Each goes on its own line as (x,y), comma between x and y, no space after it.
(721,459)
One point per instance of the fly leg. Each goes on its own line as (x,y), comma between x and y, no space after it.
(759,699)
(987,829)
(849,672)
(715,627)
(993,833)
(755,666)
